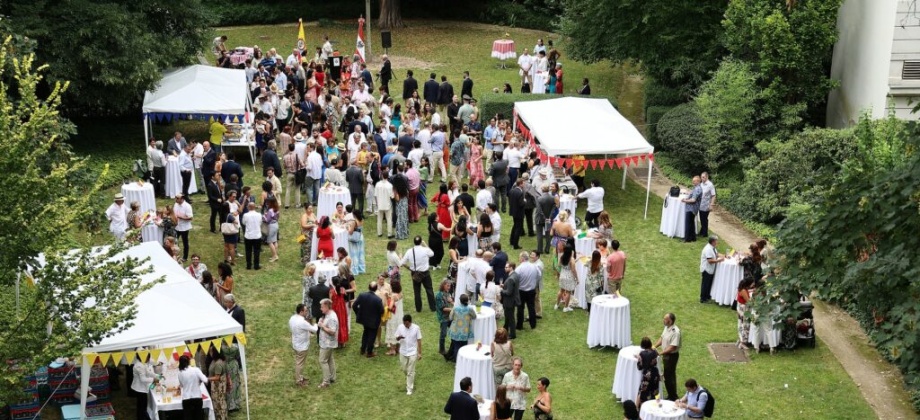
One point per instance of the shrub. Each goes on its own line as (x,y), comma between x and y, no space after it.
(495,103)
(657,94)
(727,106)
(653,114)
(679,132)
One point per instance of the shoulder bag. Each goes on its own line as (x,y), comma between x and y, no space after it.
(228,228)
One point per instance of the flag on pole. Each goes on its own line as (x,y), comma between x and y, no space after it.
(359,48)
(301,40)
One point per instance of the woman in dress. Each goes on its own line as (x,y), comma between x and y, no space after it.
(224,281)
(401,194)
(647,362)
(562,231)
(435,240)
(324,238)
(424,172)
(309,280)
(502,355)
(339,298)
(134,222)
(567,278)
(168,222)
(453,189)
(217,377)
(442,199)
(485,230)
(462,232)
(543,403)
(191,377)
(356,243)
(501,407)
(385,293)
(396,317)
(393,262)
(491,292)
(454,254)
(594,284)
(307,225)
(396,119)
(461,327)
(753,264)
(270,217)
(559,84)
(230,240)
(232,353)
(604,227)
(476,170)
(744,321)
(207,281)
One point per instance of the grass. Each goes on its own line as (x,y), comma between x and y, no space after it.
(662,277)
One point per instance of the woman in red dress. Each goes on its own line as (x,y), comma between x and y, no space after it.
(338,296)
(443,202)
(324,237)
(559,78)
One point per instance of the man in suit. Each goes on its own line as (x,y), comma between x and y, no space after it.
(516,209)
(511,298)
(215,200)
(386,74)
(270,159)
(546,203)
(368,311)
(237,313)
(354,177)
(208,160)
(409,85)
(467,88)
(431,91)
(230,167)
(461,405)
(499,174)
(498,263)
(445,93)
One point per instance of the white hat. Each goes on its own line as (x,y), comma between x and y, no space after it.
(544,172)
(298,137)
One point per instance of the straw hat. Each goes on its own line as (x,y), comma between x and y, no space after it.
(119,197)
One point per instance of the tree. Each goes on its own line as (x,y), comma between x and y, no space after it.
(390,15)
(677,42)
(111,51)
(727,104)
(43,194)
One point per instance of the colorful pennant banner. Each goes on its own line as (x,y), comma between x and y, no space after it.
(593,163)
(194,348)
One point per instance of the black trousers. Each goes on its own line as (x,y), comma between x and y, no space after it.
(215,214)
(186,181)
(510,320)
(192,409)
(706,287)
(367,340)
(253,249)
(502,200)
(357,202)
(528,298)
(690,227)
(591,219)
(183,234)
(512,176)
(579,182)
(670,374)
(528,216)
(543,238)
(704,223)
(455,347)
(141,409)
(159,180)
(517,229)
(417,288)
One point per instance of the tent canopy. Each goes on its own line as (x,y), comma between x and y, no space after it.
(200,91)
(601,129)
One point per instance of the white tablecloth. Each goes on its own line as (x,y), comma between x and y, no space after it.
(328,199)
(725,283)
(484,326)
(581,270)
(628,377)
(340,240)
(478,367)
(667,411)
(585,245)
(155,404)
(570,203)
(472,242)
(609,324)
(763,331)
(673,217)
(174,179)
(143,194)
(485,408)
(325,269)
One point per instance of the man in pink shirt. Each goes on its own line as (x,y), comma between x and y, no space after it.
(415,182)
(616,267)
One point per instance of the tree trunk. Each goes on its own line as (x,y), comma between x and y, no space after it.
(390,15)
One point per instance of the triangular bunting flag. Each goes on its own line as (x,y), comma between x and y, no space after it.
(241,338)
(129,357)
(216,344)
(193,348)
(116,357)
(568,163)
(104,358)
(619,163)
(205,346)
(635,160)
(593,164)
(651,156)
(610,163)
(642,158)
(142,355)
(156,353)
(91,358)
(228,339)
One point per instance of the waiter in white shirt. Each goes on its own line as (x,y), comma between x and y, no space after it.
(300,340)
(595,196)
(416,258)
(117,214)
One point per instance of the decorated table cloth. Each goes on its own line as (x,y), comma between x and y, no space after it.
(667,411)
(328,197)
(609,323)
(673,216)
(143,194)
(484,326)
(478,366)
(174,179)
(503,49)
(155,404)
(325,269)
(581,271)
(628,377)
(339,241)
(725,283)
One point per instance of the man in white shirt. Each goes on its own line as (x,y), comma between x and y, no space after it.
(156,164)
(183,212)
(424,136)
(416,258)
(708,260)
(354,144)
(706,201)
(383,195)
(314,174)
(496,219)
(186,166)
(513,155)
(300,340)
(293,58)
(327,48)
(525,63)
(595,196)
(329,324)
(483,197)
(117,214)
(252,223)
(416,154)
(409,336)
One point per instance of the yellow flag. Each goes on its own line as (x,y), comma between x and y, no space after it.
(91,358)
(193,348)
(129,357)
(155,354)
(104,358)
(216,344)
(205,346)
(301,37)
(241,338)
(228,339)
(116,357)
(142,354)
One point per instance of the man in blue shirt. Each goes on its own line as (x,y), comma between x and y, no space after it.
(488,134)
(529,274)
(694,400)
(437,152)
(693,207)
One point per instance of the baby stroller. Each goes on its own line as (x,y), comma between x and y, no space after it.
(800,330)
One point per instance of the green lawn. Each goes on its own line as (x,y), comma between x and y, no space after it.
(662,277)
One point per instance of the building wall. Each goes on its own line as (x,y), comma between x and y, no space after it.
(862,60)
(904,94)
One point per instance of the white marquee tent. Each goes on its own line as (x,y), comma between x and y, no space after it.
(197,92)
(599,130)
(176,310)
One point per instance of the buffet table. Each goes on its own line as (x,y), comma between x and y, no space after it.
(155,404)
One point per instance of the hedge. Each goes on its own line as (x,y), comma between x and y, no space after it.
(491,104)
(652,115)
(679,133)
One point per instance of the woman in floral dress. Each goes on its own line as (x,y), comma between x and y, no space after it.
(476,171)
(393,262)
(307,225)
(217,379)
(567,279)
(309,280)
(461,327)
(595,278)
(356,243)
(233,370)
(402,215)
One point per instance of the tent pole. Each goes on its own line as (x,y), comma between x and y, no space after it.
(84,384)
(146,127)
(648,186)
(625,168)
(245,376)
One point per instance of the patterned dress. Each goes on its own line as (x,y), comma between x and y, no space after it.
(402,218)
(476,171)
(307,245)
(593,281)
(567,278)
(461,326)
(356,251)
(233,369)
(219,389)
(308,282)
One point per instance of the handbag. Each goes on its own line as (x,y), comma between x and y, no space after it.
(301,175)
(417,276)
(302,238)
(228,228)
(264,229)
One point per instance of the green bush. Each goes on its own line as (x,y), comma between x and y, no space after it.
(727,106)
(503,103)
(678,133)
(653,114)
(657,94)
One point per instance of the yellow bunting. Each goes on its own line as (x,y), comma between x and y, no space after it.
(205,346)
(129,357)
(216,344)
(116,357)
(241,338)
(104,358)
(142,354)
(228,339)
(155,354)
(91,358)
(193,348)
